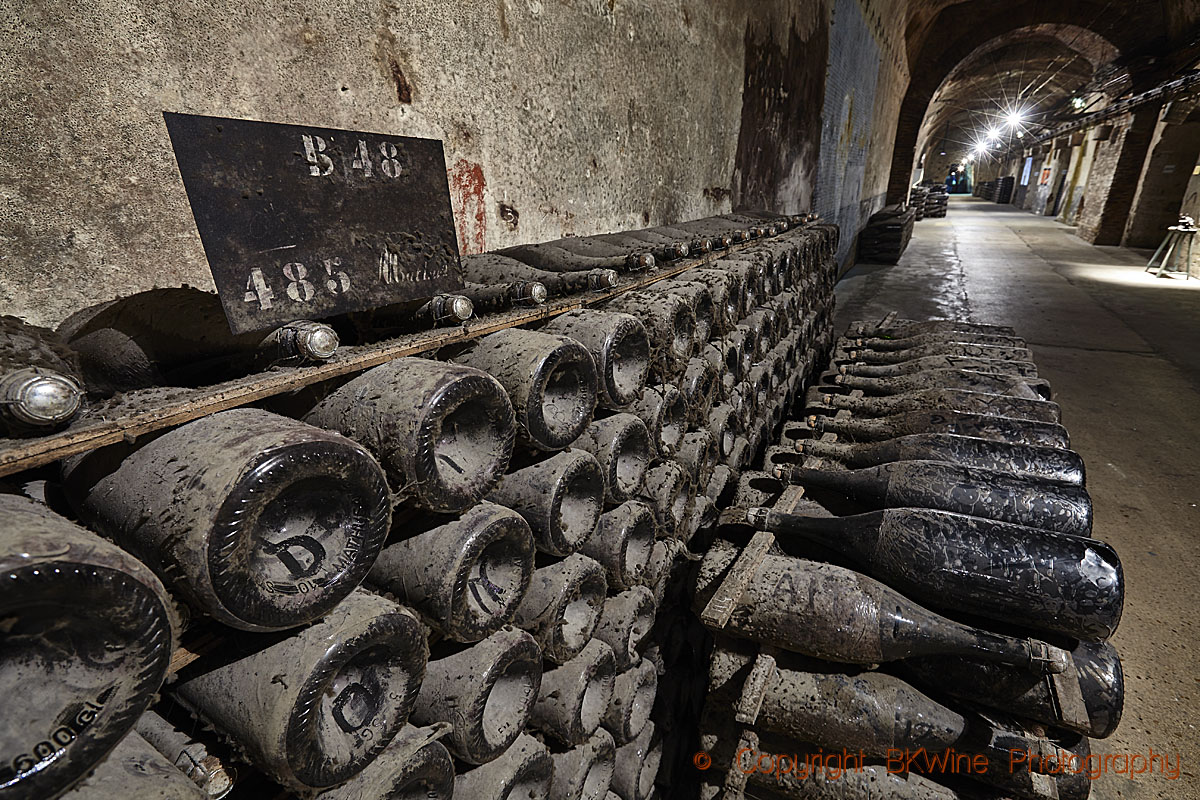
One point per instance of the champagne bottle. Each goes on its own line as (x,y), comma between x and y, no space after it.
(179,337)
(903,328)
(724,425)
(575,696)
(88,635)
(314,708)
(663,409)
(625,622)
(917,366)
(585,772)
(486,692)
(1025,461)
(134,769)
(39,390)
(189,755)
(662,249)
(258,520)
(697,245)
(550,379)
(620,349)
(444,432)
(749,277)
(633,699)
(563,605)
(952,487)
(554,258)
(726,285)
(714,226)
(413,766)
(1019,354)
(487,298)
(466,577)
(949,399)
(668,491)
(699,300)
(623,544)
(493,268)
(621,444)
(1050,582)
(639,256)
(920,340)
(717,241)
(698,455)
(561,498)
(1097,668)
(970,380)
(522,772)
(761,227)
(983,426)
(835,614)
(439,311)
(670,323)
(636,765)
(699,384)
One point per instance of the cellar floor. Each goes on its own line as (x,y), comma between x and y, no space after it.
(1121,349)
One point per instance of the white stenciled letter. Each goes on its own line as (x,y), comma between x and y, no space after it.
(361,159)
(314,150)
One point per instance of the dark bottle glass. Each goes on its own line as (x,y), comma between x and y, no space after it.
(966,379)
(620,349)
(716,241)
(699,300)
(88,635)
(466,577)
(950,399)
(902,328)
(699,386)
(439,311)
(625,622)
(759,226)
(836,614)
(726,359)
(1097,667)
(191,756)
(697,245)
(522,772)
(727,285)
(670,323)
(661,250)
(490,268)
(944,349)
(413,767)
(918,366)
(585,772)
(180,337)
(134,769)
(983,426)
(575,696)
(621,444)
(550,379)
(260,521)
(636,765)
(920,340)
(623,544)
(952,487)
(487,298)
(635,690)
(1026,461)
(563,605)
(444,432)
(664,410)
(668,490)
(560,497)
(596,247)
(313,709)
(554,258)
(1049,582)
(39,390)
(715,226)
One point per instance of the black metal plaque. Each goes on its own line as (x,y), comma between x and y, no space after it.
(304,223)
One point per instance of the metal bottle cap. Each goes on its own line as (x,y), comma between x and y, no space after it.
(316,341)
(461,307)
(538,293)
(39,397)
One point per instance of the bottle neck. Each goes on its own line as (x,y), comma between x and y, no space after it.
(854,535)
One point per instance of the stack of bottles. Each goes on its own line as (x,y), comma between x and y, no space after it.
(917,196)
(1004,189)
(937,200)
(917,608)
(886,235)
(462,574)
(985,189)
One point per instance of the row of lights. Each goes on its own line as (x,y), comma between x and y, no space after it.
(1014,119)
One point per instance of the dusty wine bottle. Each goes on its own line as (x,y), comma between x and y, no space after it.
(1052,582)
(190,756)
(836,614)
(414,766)
(134,769)
(467,576)
(314,708)
(1025,461)
(620,349)
(662,249)
(623,544)
(560,497)
(563,605)
(636,765)
(699,385)
(621,444)
(970,380)
(726,360)
(668,491)
(554,258)
(625,622)
(922,339)
(664,410)
(952,487)
(633,699)
(88,634)
(486,692)
(724,425)
(698,455)
(598,248)
(716,241)
(917,366)
(443,432)
(1097,670)
(1019,354)
(950,399)
(669,322)
(726,285)
(983,426)
(575,696)
(522,772)
(585,772)
(697,245)
(258,520)
(698,298)
(715,226)
(39,390)
(550,379)
(486,298)
(903,328)
(490,268)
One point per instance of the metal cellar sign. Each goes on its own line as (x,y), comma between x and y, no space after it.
(304,223)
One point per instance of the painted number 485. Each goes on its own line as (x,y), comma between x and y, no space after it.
(299,288)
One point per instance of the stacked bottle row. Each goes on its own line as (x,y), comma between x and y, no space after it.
(440,573)
(886,234)
(933,615)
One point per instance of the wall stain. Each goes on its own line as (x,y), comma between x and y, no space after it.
(387,51)
(510,215)
(466,196)
(717,193)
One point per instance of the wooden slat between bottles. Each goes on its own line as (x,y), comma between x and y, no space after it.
(141,412)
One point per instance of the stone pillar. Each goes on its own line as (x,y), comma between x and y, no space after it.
(1113,179)
(1164,181)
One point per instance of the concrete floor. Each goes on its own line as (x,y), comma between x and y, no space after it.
(1122,351)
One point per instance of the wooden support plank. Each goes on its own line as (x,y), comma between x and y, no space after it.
(720,607)
(755,687)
